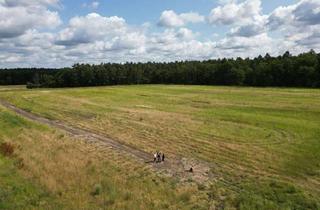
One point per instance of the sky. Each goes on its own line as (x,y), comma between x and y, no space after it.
(60,33)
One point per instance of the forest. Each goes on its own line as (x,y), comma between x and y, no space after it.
(302,70)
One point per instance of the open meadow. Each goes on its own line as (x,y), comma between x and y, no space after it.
(256,148)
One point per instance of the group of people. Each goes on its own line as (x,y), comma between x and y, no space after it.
(158,157)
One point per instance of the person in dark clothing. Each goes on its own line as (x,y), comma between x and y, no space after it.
(159,157)
(191,170)
(163,157)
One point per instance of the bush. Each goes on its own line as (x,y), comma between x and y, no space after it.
(6,149)
(96,190)
(185,197)
(32,85)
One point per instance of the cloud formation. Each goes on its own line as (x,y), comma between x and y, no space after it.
(93,5)
(15,3)
(169,18)
(17,16)
(32,34)
(91,28)
(233,13)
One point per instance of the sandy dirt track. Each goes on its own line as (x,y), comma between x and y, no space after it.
(173,166)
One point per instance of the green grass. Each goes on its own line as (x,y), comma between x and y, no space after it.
(17,192)
(256,139)
(274,195)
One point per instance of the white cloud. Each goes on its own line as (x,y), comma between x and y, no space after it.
(16,17)
(170,36)
(91,28)
(281,16)
(27,38)
(299,23)
(191,17)
(244,43)
(311,41)
(169,18)
(95,38)
(178,44)
(186,34)
(233,13)
(92,5)
(95,4)
(15,3)
(305,12)
(245,17)
(30,49)
(308,12)
(134,40)
(249,30)
(261,44)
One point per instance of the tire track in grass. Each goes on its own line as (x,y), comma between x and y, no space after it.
(173,166)
(78,132)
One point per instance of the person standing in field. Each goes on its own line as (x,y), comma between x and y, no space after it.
(159,157)
(154,157)
(163,157)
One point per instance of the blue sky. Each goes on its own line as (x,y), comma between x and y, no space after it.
(140,11)
(55,33)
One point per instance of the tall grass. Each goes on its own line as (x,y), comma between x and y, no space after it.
(66,173)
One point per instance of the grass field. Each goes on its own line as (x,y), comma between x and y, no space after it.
(261,144)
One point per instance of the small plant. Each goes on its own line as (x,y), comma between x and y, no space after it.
(19,163)
(6,149)
(201,187)
(110,202)
(165,205)
(185,197)
(189,180)
(127,196)
(97,189)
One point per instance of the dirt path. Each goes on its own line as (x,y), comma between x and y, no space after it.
(175,167)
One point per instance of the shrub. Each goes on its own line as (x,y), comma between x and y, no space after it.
(6,149)
(32,85)
(127,196)
(185,197)
(96,190)
(19,163)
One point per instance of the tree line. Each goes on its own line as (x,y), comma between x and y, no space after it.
(286,70)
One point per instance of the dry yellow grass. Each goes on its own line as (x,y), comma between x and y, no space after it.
(86,175)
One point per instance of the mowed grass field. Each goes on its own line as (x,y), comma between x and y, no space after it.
(261,144)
